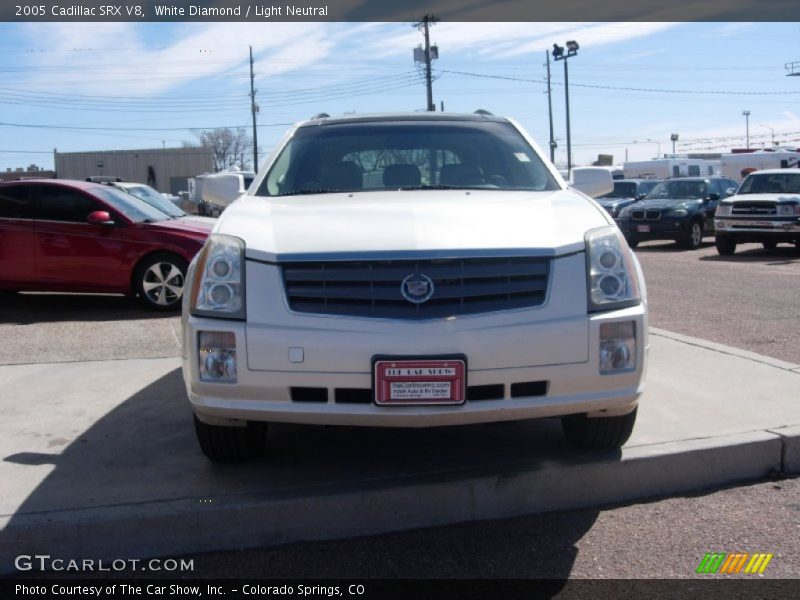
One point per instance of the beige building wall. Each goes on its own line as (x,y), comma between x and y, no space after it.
(165,169)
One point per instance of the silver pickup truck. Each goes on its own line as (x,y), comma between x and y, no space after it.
(765,209)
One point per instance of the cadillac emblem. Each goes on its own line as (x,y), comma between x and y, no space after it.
(417,288)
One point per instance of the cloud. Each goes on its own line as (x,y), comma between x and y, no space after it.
(124,58)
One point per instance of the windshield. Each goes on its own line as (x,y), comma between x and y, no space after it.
(129,205)
(622,189)
(679,190)
(771,183)
(154,198)
(392,155)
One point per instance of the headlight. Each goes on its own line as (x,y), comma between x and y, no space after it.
(611,275)
(678,212)
(723,210)
(218,285)
(787,210)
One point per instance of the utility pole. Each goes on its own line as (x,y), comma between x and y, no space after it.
(254,110)
(550,111)
(426,22)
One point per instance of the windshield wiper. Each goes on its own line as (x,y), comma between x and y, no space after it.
(442,186)
(309,191)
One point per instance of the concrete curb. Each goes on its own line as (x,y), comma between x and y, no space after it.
(730,350)
(381,505)
(790,438)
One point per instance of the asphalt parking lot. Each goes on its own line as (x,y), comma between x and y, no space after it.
(732,301)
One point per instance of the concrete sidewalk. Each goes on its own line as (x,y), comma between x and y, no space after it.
(100,460)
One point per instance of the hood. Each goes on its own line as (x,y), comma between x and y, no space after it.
(183,225)
(545,223)
(664,203)
(206,222)
(784,197)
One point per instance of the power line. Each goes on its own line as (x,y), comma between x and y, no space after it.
(626,88)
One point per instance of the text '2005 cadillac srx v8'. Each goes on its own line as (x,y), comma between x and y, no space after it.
(412,270)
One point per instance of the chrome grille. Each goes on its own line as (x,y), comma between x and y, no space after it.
(372,288)
(754,208)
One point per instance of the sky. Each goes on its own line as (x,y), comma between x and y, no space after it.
(113,86)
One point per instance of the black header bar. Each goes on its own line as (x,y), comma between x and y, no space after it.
(408,10)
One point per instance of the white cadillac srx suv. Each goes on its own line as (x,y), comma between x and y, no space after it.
(412,270)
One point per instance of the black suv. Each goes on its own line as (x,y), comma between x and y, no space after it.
(680,209)
(626,192)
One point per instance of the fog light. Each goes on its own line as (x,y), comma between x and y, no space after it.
(617,347)
(217,356)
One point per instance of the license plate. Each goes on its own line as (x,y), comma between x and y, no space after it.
(643,228)
(423,381)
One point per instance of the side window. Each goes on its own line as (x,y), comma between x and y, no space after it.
(14,202)
(694,171)
(62,204)
(676,171)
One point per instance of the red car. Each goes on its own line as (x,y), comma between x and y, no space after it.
(73,236)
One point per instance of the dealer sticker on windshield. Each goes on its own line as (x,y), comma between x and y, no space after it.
(420,382)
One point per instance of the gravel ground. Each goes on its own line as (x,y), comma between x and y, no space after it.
(748,300)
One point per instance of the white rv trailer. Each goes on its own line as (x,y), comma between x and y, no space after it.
(664,168)
(733,164)
(215,191)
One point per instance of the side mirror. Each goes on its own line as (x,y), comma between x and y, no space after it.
(592,181)
(712,197)
(99,217)
(730,192)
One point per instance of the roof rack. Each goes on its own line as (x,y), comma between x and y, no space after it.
(320,116)
(482,111)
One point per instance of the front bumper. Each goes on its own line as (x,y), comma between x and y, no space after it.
(665,228)
(758,230)
(265,394)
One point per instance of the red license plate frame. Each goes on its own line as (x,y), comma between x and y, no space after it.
(413,381)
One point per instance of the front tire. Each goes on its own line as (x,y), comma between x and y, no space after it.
(694,238)
(598,433)
(725,246)
(632,243)
(231,444)
(160,279)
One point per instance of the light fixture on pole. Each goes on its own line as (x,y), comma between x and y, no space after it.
(559,54)
(746,115)
(674,138)
(772,131)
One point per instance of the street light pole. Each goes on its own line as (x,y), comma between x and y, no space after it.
(746,114)
(558,54)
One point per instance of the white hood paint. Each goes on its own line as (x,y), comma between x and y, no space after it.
(546,223)
(781,197)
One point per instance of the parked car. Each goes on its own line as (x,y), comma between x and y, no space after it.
(680,209)
(765,210)
(625,193)
(75,236)
(412,270)
(156,199)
